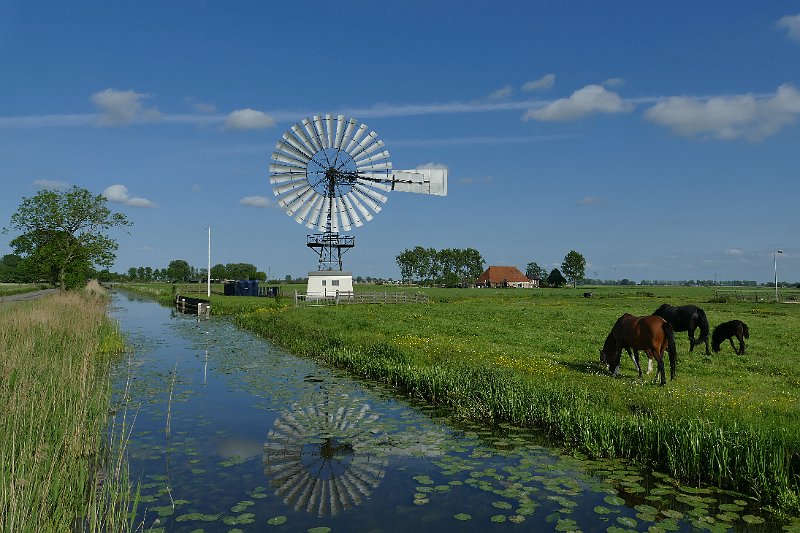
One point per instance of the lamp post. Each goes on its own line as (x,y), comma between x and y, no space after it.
(775,260)
(208,272)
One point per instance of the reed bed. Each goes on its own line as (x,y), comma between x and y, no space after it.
(57,471)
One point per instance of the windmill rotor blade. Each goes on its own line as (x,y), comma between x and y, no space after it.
(277,168)
(303,196)
(369,150)
(366,200)
(281,157)
(384,155)
(343,214)
(296,143)
(352,212)
(386,165)
(301,134)
(311,134)
(331,127)
(305,212)
(294,151)
(337,142)
(276,179)
(362,129)
(287,187)
(372,193)
(322,219)
(363,144)
(320,130)
(348,132)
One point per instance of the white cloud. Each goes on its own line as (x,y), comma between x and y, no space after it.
(589,200)
(196,188)
(613,82)
(119,194)
(545,82)
(120,107)
(502,93)
(255,201)
(734,251)
(51,184)
(583,102)
(431,165)
(248,119)
(791,23)
(728,117)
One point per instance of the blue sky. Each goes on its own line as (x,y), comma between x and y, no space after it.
(658,139)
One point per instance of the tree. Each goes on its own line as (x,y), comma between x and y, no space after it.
(534,271)
(15,269)
(64,233)
(218,272)
(574,267)
(179,270)
(555,278)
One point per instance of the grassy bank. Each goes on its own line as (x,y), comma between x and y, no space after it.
(56,471)
(530,357)
(7,289)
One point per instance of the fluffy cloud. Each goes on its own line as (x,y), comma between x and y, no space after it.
(545,82)
(255,201)
(734,251)
(248,119)
(51,184)
(120,107)
(500,94)
(791,23)
(119,194)
(589,200)
(583,102)
(431,165)
(728,117)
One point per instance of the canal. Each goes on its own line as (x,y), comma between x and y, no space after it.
(225,432)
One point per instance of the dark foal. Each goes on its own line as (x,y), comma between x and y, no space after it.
(729,330)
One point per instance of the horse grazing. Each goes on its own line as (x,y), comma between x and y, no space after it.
(686,318)
(729,330)
(649,333)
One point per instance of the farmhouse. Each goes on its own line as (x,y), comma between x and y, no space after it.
(505,276)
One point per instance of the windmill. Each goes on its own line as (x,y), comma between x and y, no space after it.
(331,174)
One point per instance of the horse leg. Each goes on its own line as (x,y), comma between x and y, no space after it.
(659,357)
(741,345)
(649,365)
(635,357)
(690,331)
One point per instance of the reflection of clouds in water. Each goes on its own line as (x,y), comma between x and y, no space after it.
(326,457)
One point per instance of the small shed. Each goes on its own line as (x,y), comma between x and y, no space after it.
(505,276)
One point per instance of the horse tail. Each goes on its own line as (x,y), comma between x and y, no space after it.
(703,326)
(669,333)
(745,331)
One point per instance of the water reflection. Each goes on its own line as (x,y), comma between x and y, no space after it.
(326,457)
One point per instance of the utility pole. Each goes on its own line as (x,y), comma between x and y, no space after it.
(208,272)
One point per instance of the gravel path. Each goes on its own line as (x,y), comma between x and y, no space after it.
(26,296)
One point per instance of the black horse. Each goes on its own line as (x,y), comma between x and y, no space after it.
(729,330)
(687,318)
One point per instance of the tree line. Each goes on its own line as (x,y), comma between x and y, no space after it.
(450,267)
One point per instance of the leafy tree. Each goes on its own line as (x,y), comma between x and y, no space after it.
(534,271)
(240,271)
(574,267)
(218,272)
(132,273)
(15,269)
(555,278)
(179,270)
(64,233)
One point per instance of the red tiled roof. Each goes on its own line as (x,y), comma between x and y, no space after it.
(498,274)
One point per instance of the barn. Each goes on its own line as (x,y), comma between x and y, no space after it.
(505,276)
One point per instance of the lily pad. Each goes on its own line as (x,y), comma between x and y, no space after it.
(277,520)
(499,518)
(462,516)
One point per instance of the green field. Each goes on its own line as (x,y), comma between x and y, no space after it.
(7,289)
(530,357)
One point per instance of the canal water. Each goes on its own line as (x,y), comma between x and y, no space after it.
(229,433)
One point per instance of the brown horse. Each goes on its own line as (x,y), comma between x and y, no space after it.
(650,333)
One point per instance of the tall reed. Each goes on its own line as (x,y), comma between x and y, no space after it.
(57,472)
